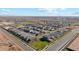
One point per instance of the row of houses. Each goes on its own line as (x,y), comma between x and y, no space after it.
(37,28)
(21,34)
(55,34)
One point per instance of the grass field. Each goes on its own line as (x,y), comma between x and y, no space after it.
(38,45)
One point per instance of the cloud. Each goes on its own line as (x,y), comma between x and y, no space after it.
(4,13)
(58,12)
(51,11)
(46,9)
(6,10)
(75,13)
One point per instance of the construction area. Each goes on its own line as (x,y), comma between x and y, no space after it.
(74,45)
(7,44)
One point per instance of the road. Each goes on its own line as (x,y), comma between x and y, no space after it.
(52,47)
(16,40)
(62,42)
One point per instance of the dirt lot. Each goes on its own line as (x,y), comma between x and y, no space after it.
(74,45)
(73,27)
(7,45)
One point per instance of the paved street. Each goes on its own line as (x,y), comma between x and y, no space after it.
(52,47)
(62,42)
(16,40)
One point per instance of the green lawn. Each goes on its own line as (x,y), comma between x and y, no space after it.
(19,25)
(28,22)
(75,24)
(38,45)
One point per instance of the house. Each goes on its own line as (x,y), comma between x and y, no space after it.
(44,38)
(22,34)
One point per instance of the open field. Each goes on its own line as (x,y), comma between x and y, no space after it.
(6,44)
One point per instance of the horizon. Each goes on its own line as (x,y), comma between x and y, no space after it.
(39,12)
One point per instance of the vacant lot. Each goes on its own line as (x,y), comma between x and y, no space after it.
(6,43)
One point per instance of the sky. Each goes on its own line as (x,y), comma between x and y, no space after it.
(39,11)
